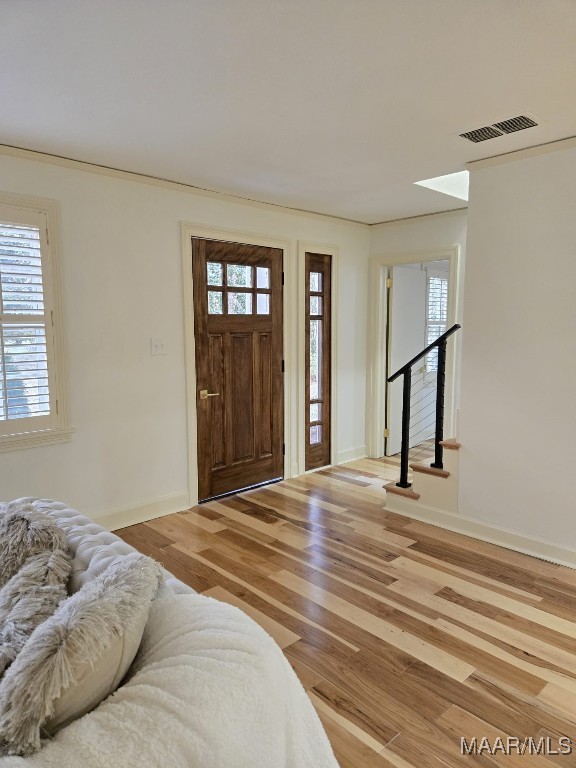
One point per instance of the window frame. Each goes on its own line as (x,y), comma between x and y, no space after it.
(35,431)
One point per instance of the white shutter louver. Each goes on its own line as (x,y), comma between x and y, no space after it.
(436,316)
(24,378)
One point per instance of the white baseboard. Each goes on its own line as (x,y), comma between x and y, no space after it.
(485,532)
(140,513)
(351,454)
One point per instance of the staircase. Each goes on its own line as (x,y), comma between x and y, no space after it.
(432,490)
(434,487)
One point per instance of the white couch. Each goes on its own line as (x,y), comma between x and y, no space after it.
(208,688)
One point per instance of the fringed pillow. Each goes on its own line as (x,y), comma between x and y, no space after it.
(34,569)
(78,656)
(29,598)
(24,531)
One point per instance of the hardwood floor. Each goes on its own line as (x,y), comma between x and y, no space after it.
(406,637)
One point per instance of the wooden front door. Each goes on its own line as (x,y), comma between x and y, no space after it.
(238,334)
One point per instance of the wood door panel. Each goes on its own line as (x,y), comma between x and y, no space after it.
(239,361)
(216,357)
(264,399)
(223,477)
(242,396)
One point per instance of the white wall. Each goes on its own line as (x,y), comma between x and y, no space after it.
(518,413)
(122,284)
(424,233)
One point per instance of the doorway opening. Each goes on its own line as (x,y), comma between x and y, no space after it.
(417,314)
(414,301)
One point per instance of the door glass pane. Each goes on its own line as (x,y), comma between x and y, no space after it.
(239,275)
(214,273)
(315,359)
(316,281)
(315,412)
(215,303)
(315,435)
(262,277)
(315,305)
(239,303)
(262,304)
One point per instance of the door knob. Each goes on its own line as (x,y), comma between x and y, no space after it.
(204,394)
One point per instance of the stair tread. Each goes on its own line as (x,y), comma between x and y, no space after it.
(407,492)
(428,470)
(452,445)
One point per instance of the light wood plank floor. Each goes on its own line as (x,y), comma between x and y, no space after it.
(405,636)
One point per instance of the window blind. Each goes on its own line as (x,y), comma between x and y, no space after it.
(436,316)
(24,379)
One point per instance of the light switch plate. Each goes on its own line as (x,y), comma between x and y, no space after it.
(158,346)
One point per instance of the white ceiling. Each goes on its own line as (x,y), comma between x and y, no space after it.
(333,106)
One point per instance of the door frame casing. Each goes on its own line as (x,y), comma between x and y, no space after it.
(188,231)
(306,246)
(375,411)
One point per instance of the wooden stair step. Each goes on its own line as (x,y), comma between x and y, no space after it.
(428,470)
(407,492)
(452,445)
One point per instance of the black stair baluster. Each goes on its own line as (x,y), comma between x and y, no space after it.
(440,384)
(406,387)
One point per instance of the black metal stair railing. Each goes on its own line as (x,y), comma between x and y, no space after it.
(407,402)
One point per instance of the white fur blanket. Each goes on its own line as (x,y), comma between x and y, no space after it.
(209,689)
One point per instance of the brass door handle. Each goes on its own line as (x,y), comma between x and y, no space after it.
(204,394)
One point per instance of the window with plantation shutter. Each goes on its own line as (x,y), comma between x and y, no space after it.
(32,407)
(436,314)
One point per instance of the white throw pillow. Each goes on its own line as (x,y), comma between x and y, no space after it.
(78,656)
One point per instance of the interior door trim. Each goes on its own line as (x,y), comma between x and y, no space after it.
(189,230)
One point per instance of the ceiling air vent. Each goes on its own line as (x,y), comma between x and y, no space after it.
(515,124)
(481,134)
(511,125)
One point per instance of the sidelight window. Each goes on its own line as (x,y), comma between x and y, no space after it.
(318,339)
